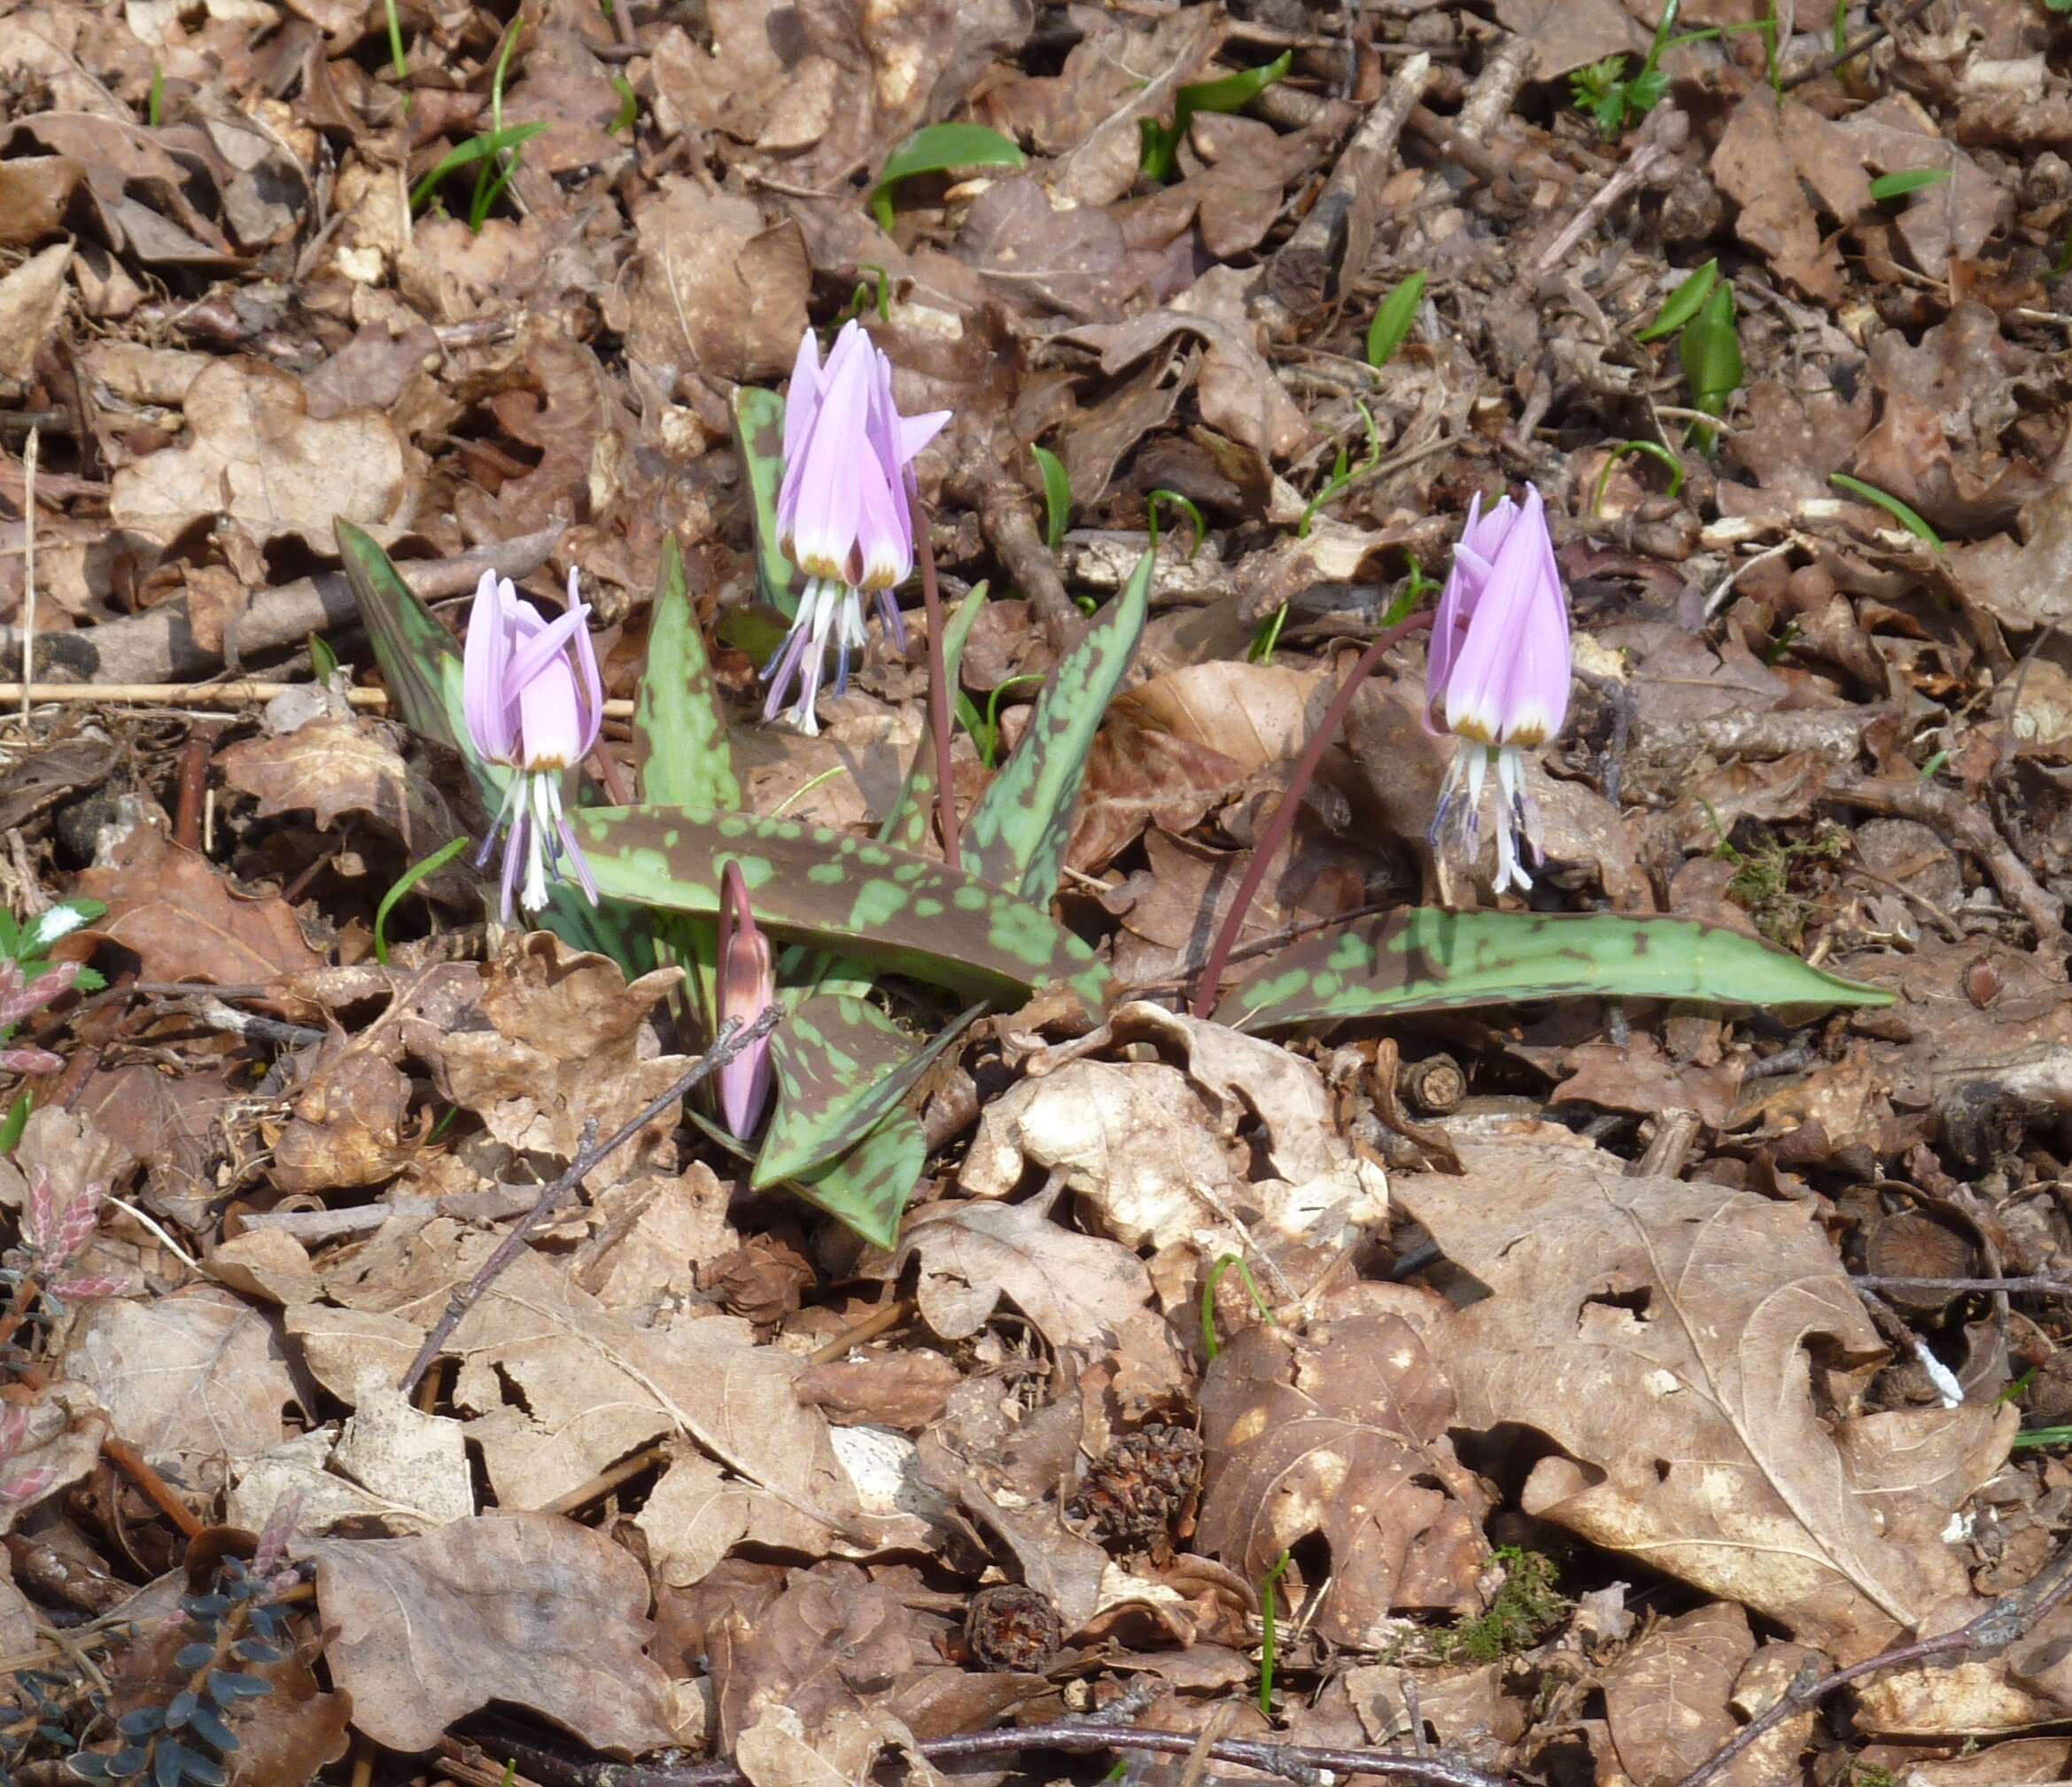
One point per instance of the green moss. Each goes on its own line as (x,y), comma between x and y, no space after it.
(1768,880)
(1525,1610)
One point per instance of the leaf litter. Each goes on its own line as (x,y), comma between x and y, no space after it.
(1705,1337)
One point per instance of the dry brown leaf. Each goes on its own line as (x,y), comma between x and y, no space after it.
(1567,35)
(177,911)
(720,291)
(1341,1434)
(531,1609)
(1757,164)
(1139,776)
(1077,1289)
(31,297)
(256,456)
(1665,1699)
(1666,1337)
(336,765)
(196,1381)
(1253,714)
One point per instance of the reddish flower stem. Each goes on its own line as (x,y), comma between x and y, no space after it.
(1284,818)
(938,682)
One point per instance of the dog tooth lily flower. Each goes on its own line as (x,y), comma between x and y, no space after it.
(747,988)
(1499,674)
(534,702)
(843,512)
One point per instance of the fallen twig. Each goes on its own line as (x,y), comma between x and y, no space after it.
(729,1043)
(1299,1762)
(1996,1628)
(1849,53)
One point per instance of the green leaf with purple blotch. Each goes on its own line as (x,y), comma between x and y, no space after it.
(758,435)
(1016,835)
(842,1066)
(680,745)
(891,907)
(1420,959)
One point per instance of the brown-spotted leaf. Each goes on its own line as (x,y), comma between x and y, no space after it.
(1341,1434)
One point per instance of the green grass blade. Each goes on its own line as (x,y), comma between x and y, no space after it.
(1889,186)
(936,149)
(1390,327)
(467,154)
(758,435)
(1892,506)
(1683,304)
(680,745)
(889,907)
(1423,958)
(404,883)
(1057,497)
(1016,835)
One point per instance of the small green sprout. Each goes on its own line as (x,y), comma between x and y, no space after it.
(154,109)
(936,149)
(1888,187)
(1710,347)
(1684,303)
(1390,327)
(1892,506)
(1208,1300)
(1343,471)
(1160,143)
(1267,641)
(1057,495)
(404,883)
(629,106)
(1186,508)
(1269,1638)
(398,62)
(1655,450)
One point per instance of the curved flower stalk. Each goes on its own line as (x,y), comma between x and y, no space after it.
(1499,675)
(534,702)
(747,988)
(843,509)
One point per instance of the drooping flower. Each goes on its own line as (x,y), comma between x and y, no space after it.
(747,988)
(843,514)
(534,702)
(1499,674)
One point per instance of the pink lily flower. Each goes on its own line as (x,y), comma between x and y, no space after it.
(533,702)
(843,512)
(747,988)
(1499,674)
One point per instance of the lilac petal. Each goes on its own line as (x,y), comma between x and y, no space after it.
(579,862)
(884,549)
(802,398)
(514,848)
(894,622)
(821,532)
(551,732)
(483,662)
(916,432)
(746,988)
(1456,607)
(782,669)
(1509,678)
(590,681)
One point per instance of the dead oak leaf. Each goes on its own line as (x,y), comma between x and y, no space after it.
(1078,1289)
(176,910)
(1341,1433)
(1666,1338)
(532,1609)
(197,1380)
(256,455)
(719,289)
(335,766)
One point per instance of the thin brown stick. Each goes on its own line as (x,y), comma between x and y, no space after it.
(1996,1628)
(194,779)
(1284,818)
(2035,1281)
(871,1326)
(1292,1761)
(938,681)
(244,692)
(728,1044)
(29,562)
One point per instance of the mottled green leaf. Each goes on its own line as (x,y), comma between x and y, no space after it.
(811,885)
(758,434)
(841,1066)
(420,660)
(868,1187)
(679,723)
(907,824)
(1016,835)
(1422,959)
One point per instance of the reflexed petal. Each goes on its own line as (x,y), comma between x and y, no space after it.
(802,398)
(483,662)
(589,679)
(916,432)
(746,986)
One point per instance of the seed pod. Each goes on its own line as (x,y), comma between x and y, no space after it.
(1010,1628)
(1435,1085)
(1132,1494)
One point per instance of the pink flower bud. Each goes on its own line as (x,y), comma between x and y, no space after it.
(747,988)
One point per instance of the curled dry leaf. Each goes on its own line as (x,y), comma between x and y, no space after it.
(1667,1339)
(1341,1434)
(526,1608)
(720,291)
(334,765)
(1665,1700)
(1078,1289)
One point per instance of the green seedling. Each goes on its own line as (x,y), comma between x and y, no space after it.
(875,294)
(936,149)
(1269,1645)
(1057,497)
(1888,187)
(1933,766)
(1160,143)
(1390,327)
(1208,1300)
(154,109)
(985,728)
(404,883)
(1186,508)
(1655,450)
(323,662)
(1267,641)
(629,106)
(397,62)
(484,148)
(1684,303)
(1838,38)
(1343,472)
(1605,91)
(1892,506)
(1711,349)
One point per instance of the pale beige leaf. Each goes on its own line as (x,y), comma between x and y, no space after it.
(531,1609)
